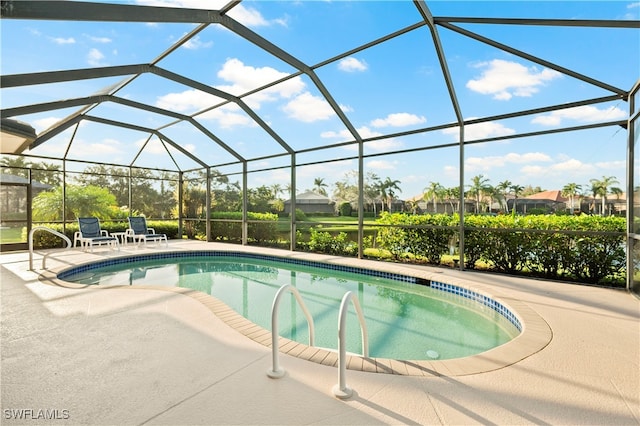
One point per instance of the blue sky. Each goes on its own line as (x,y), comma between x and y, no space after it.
(388,88)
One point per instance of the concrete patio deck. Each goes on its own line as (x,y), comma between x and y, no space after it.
(123,356)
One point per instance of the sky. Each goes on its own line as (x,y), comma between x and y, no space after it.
(386,89)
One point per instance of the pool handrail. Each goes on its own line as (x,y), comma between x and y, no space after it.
(341,390)
(276,372)
(44,257)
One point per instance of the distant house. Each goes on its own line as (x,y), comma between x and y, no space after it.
(311,202)
(13,194)
(549,201)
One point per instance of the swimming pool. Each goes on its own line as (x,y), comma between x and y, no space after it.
(407,318)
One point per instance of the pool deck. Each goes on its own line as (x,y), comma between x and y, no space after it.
(125,355)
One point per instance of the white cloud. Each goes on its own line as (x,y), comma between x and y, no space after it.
(351,64)
(486,164)
(188,101)
(615,166)
(505,79)
(399,119)
(308,108)
(44,123)
(585,113)
(241,79)
(195,43)
(381,165)
(83,149)
(244,78)
(95,57)
(363,131)
(60,40)
(100,39)
(383,145)
(227,117)
(489,129)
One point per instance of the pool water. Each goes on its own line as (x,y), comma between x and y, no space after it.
(404,320)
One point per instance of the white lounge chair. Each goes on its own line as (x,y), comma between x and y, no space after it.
(90,235)
(138,231)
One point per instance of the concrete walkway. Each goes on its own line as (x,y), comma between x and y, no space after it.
(122,356)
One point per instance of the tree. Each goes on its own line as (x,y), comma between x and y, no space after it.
(479,185)
(502,189)
(434,192)
(571,190)
(319,186)
(453,195)
(601,187)
(389,190)
(15,165)
(516,190)
(81,201)
(347,188)
(276,189)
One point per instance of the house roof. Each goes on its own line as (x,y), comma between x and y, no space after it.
(310,197)
(555,195)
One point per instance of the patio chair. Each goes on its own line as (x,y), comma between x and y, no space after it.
(91,235)
(138,231)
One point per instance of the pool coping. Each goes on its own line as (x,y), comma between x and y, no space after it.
(534,336)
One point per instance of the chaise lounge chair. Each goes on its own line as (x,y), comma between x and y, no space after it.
(138,231)
(91,235)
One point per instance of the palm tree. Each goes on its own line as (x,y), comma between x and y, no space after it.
(601,187)
(276,189)
(388,190)
(501,189)
(319,186)
(15,165)
(434,192)
(452,194)
(571,190)
(516,190)
(477,188)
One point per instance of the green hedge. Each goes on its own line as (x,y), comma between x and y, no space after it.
(44,240)
(263,232)
(554,247)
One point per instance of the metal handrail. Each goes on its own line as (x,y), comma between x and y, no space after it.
(44,257)
(341,390)
(276,372)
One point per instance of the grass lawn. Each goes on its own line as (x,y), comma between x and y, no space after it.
(11,235)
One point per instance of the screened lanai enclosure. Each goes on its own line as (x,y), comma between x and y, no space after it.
(412,131)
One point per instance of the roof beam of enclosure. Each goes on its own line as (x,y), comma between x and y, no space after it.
(85,11)
(54,131)
(535,59)
(271,48)
(17,80)
(91,100)
(181,149)
(428,18)
(224,95)
(144,130)
(603,23)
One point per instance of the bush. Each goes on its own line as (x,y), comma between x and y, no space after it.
(345,209)
(324,242)
(556,247)
(229,229)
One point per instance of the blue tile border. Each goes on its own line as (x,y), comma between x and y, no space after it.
(449,288)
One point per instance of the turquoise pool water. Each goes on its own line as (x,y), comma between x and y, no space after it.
(405,320)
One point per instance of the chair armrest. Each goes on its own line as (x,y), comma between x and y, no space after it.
(151,231)
(104,232)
